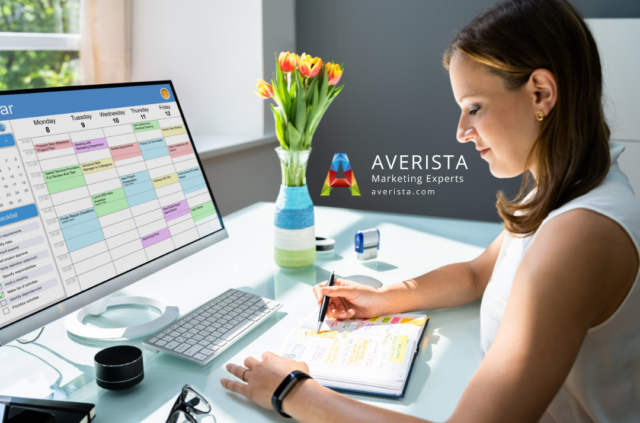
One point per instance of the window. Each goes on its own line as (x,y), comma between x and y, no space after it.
(39,43)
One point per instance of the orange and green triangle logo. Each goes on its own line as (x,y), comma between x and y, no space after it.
(332,181)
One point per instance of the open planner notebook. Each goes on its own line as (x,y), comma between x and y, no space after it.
(365,355)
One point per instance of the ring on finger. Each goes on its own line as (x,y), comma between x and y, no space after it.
(242,377)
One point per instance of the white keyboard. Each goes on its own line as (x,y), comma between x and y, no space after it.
(207,331)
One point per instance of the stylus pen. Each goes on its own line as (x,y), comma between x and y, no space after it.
(325,302)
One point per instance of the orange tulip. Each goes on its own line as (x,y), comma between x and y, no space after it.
(334,72)
(309,66)
(287,61)
(264,89)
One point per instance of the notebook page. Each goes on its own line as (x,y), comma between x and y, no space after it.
(374,352)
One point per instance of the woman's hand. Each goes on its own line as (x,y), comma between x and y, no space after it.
(350,299)
(261,378)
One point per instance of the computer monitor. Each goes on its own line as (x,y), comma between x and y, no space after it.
(100,186)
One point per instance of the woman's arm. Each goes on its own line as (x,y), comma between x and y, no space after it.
(558,294)
(447,286)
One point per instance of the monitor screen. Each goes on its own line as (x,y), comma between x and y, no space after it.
(94,182)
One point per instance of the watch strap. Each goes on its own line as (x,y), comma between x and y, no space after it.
(284,388)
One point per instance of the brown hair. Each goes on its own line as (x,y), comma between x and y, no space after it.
(571,154)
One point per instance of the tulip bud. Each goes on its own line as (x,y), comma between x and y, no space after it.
(287,61)
(309,66)
(264,90)
(334,72)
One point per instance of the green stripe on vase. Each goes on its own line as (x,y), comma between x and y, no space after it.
(294,258)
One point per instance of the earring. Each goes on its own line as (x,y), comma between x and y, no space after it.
(540,115)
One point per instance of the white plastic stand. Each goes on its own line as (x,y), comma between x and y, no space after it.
(74,324)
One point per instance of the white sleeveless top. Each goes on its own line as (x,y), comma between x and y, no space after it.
(603,385)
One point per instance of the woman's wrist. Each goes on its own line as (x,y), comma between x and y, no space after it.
(300,396)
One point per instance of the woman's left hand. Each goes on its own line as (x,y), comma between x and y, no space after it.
(261,378)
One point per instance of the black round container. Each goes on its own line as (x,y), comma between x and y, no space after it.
(119,367)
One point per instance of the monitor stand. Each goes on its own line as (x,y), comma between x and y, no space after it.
(74,322)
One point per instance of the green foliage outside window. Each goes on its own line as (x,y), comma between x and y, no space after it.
(35,68)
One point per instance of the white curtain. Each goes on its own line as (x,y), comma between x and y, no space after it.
(105,45)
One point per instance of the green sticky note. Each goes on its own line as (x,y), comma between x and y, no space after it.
(1,295)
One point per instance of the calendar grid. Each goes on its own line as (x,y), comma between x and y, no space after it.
(105,191)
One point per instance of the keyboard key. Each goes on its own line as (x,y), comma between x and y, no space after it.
(206,351)
(210,338)
(237,330)
(199,356)
(181,330)
(161,343)
(194,349)
(220,343)
(255,317)
(229,326)
(168,338)
(200,327)
(193,331)
(198,337)
(204,343)
(181,339)
(182,348)
(187,326)
(171,345)
(154,340)
(192,341)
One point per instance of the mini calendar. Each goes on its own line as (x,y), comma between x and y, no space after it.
(14,186)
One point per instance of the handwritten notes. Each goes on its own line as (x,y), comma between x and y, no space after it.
(373,353)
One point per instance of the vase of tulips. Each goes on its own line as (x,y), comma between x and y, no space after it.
(302,88)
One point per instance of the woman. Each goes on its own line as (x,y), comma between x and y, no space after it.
(560,314)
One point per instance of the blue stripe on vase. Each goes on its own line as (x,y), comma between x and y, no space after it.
(294,218)
(294,208)
(294,198)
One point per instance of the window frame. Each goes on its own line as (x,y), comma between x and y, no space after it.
(39,41)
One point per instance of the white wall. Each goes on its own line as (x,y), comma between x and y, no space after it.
(212,51)
(619,46)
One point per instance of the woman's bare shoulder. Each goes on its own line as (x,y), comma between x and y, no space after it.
(593,252)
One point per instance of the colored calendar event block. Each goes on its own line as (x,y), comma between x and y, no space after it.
(81,229)
(191,180)
(173,130)
(110,202)
(180,149)
(63,179)
(90,145)
(203,210)
(163,181)
(145,126)
(175,210)
(97,166)
(138,188)
(125,151)
(53,146)
(152,149)
(156,237)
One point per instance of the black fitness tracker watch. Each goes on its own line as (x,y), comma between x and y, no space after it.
(285,387)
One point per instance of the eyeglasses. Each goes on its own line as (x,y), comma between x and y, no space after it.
(188,406)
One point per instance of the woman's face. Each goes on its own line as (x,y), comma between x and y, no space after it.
(501,123)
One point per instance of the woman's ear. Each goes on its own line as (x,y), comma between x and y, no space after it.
(543,89)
